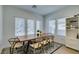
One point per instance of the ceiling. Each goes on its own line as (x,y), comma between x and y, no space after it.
(42,9)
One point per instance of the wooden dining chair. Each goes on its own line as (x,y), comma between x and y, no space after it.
(36,46)
(45,44)
(51,41)
(15,44)
(25,42)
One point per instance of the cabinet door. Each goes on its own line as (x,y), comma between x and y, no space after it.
(72,33)
(73,43)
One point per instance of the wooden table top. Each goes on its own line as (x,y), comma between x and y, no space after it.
(32,37)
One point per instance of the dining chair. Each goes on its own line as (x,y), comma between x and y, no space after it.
(36,46)
(51,41)
(15,44)
(45,43)
(48,42)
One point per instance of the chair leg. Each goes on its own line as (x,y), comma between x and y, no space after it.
(53,44)
(34,51)
(44,47)
(11,50)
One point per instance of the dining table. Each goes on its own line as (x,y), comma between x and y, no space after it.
(29,38)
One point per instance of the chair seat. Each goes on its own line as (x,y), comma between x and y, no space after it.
(36,45)
(18,45)
(44,42)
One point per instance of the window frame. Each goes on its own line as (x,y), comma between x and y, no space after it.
(54,26)
(20,25)
(64,22)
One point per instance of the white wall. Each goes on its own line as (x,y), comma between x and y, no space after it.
(65,12)
(1,25)
(9,23)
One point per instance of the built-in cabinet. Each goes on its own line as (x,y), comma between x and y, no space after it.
(72,32)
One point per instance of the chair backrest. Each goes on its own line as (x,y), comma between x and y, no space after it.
(13,41)
(51,37)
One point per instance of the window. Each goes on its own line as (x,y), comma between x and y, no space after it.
(30,27)
(38,25)
(51,26)
(19,26)
(61,27)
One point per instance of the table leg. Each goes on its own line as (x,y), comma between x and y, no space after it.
(28,44)
(26,47)
(53,42)
(23,46)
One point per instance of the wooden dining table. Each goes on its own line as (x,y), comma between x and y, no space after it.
(28,39)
